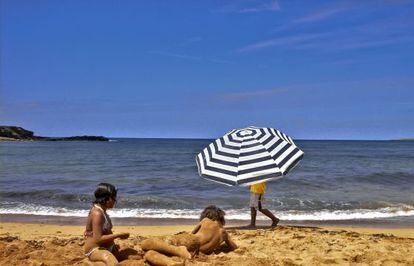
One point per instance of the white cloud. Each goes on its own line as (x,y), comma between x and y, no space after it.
(355,43)
(379,33)
(250,94)
(316,16)
(191,40)
(283,41)
(251,8)
(182,56)
(320,15)
(193,58)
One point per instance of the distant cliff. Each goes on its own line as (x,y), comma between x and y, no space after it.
(88,138)
(16,133)
(19,133)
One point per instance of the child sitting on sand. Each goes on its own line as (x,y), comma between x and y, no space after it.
(99,239)
(206,237)
(257,192)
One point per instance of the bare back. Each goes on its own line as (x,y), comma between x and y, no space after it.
(206,237)
(211,234)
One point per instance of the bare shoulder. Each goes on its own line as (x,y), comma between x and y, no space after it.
(96,214)
(207,221)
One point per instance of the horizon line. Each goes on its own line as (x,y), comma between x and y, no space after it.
(184,138)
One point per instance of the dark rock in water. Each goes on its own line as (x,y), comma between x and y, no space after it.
(18,133)
(87,138)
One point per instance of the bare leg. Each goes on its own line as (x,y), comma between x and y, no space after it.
(266,212)
(159,259)
(165,248)
(103,255)
(253,214)
(87,262)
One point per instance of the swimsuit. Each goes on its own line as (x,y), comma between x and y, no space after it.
(110,249)
(106,229)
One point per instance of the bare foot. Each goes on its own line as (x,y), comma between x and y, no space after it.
(275,222)
(174,261)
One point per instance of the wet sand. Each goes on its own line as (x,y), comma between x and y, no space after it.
(397,222)
(51,244)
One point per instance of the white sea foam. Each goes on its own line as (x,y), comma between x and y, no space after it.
(239,214)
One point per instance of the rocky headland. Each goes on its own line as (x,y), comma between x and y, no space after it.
(13,133)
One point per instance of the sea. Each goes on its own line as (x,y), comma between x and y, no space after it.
(158,178)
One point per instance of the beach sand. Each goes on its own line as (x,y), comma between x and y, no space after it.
(46,244)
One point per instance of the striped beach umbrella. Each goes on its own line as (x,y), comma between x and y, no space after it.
(248,156)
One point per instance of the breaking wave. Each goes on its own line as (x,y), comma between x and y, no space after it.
(231,214)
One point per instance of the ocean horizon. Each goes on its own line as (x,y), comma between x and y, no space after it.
(337,180)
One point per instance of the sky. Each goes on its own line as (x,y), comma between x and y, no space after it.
(197,69)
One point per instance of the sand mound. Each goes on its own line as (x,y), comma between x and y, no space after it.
(278,246)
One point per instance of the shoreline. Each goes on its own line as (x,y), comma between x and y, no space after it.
(406,222)
(31,230)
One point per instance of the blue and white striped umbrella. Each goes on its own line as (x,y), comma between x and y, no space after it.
(248,156)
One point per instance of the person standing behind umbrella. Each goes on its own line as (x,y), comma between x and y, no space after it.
(257,192)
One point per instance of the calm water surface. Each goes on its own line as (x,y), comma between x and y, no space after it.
(158,178)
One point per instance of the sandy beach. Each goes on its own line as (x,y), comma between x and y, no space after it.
(47,244)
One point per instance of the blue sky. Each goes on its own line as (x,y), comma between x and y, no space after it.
(312,69)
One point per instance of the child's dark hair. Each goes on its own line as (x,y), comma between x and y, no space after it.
(214,213)
(103,192)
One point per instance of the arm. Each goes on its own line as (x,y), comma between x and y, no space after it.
(195,230)
(230,243)
(98,237)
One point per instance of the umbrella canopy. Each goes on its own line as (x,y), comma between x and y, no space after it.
(248,156)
